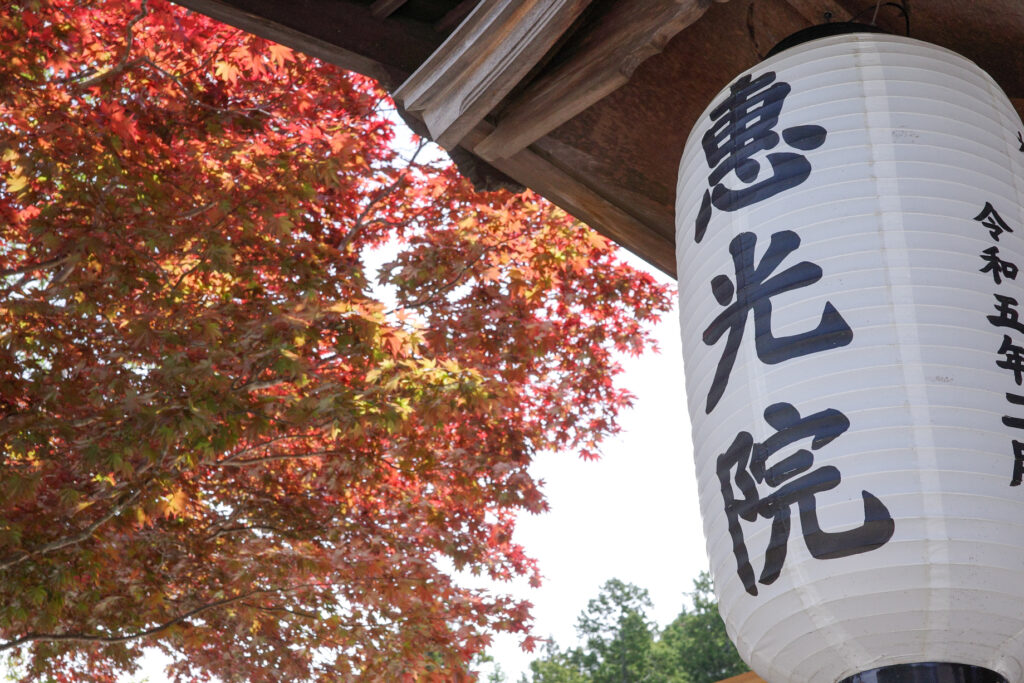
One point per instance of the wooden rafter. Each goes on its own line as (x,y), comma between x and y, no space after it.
(481,61)
(820,11)
(382,9)
(342,32)
(590,206)
(630,32)
(454,16)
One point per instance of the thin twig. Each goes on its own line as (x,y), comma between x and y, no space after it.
(122,64)
(98,639)
(274,458)
(381,194)
(83,535)
(32,267)
(296,612)
(196,211)
(235,529)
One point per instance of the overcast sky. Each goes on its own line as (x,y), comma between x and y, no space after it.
(632,515)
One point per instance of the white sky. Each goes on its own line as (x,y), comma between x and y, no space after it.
(633,515)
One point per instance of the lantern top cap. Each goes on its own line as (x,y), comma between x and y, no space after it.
(821,31)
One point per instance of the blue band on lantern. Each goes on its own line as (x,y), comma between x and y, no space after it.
(927,672)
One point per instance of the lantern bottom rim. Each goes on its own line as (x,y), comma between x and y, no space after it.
(927,672)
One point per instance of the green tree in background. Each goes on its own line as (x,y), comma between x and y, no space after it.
(557,666)
(621,644)
(695,648)
(618,634)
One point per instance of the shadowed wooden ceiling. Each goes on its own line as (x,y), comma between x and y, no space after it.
(590,102)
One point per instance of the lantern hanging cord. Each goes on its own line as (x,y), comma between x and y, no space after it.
(901,6)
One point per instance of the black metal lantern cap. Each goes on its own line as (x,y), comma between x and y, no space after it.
(927,672)
(822,31)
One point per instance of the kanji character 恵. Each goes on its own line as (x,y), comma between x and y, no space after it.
(743,125)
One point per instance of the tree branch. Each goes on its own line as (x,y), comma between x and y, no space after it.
(32,267)
(229,462)
(381,194)
(263,444)
(88,638)
(196,211)
(296,612)
(83,535)
(122,64)
(235,529)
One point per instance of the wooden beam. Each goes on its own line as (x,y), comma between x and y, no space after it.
(341,32)
(821,11)
(454,16)
(1018,104)
(582,201)
(481,61)
(630,32)
(382,9)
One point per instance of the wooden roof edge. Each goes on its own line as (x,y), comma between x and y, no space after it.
(573,194)
(382,9)
(454,16)
(482,60)
(603,61)
(331,30)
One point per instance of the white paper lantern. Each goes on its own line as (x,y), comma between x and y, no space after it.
(849,222)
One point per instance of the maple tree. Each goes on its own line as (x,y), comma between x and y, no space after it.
(223,435)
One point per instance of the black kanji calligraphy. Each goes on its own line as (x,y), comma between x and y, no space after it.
(1008,315)
(746,464)
(752,291)
(991,219)
(1009,420)
(1018,447)
(1013,358)
(998,267)
(1018,463)
(743,125)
